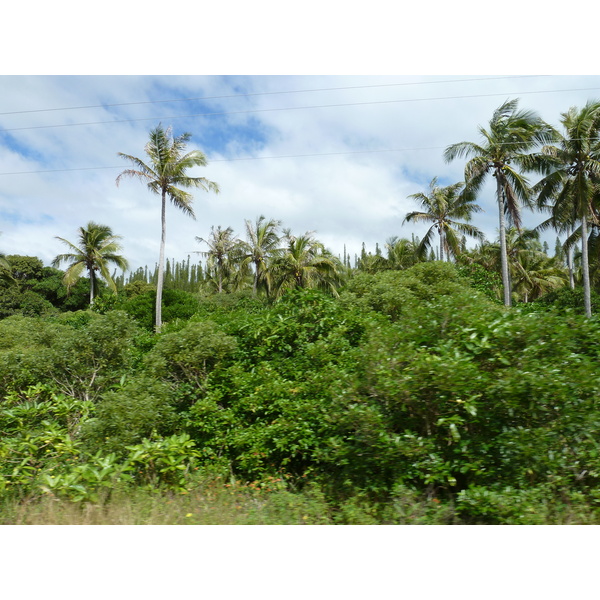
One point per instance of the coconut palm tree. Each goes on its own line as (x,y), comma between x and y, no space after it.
(562,250)
(503,153)
(305,263)
(536,275)
(262,244)
(166,174)
(221,254)
(402,253)
(97,247)
(572,187)
(442,206)
(533,273)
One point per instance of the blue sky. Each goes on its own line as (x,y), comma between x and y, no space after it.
(361,103)
(338,155)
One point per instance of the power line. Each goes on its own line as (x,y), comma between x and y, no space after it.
(324,154)
(248,158)
(60,170)
(263,110)
(244,158)
(353,87)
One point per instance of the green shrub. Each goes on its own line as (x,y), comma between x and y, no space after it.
(567,299)
(487,282)
(92,480)
(189,354)
(131,413)
(40,432)
(165,462)
(92,353)
(24,342)
(177,304)
(397,293)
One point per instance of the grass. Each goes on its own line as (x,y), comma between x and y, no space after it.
(218,503)
(224,504)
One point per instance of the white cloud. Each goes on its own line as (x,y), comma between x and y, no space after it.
(347,197)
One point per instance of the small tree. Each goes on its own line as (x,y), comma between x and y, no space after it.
(306,263)
(261,245)
(96,249)
(442,207)
(222,245)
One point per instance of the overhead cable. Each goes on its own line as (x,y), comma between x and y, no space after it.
(351,87)
(264,110)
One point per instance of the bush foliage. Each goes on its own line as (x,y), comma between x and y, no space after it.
(413,397)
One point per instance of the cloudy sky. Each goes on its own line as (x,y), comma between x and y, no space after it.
(325,118)
(337,155)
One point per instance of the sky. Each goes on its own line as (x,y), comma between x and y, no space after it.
(325,116)
(336,155)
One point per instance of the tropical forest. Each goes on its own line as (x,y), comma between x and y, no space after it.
(443,379)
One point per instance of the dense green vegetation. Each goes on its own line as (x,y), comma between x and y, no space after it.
(410,397)
(278,383)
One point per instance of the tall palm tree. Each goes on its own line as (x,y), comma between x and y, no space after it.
(442,206)
(222,246)
(165,175)
(503,153)
(262,243)
(572,186)
(97,247)
(306,263)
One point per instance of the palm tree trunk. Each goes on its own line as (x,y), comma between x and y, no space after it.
(441,244)
(502,229)
(161,264)
(570,262)
(220,276)
(585,267)
(91,288)
(255,282)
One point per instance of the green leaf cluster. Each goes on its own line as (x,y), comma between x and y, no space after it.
(410,387)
